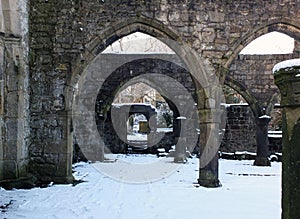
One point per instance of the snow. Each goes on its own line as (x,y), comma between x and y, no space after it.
(286,64)
(226,105)
(247,192)
(265,116)
(181,117)
(118,105)
(164,129)
(245,152)
(137,137)
(275,134)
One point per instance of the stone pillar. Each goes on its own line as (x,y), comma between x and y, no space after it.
(180,134)
(62,147)
(209,146)
(287,79)
(13,111)
(262,141)
(11,17)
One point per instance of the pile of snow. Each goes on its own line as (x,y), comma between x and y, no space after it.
(248,192)
(226,105)
(119,105)
(286,64)
(265,117)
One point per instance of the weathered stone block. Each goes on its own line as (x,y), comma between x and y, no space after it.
(215,16)
(9,169)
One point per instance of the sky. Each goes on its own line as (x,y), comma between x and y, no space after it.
(271,43)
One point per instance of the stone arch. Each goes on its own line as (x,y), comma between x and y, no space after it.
(100,42)
(287,26)
(208,86)
(118,30)
(172,106)
(109,79)
(147,65)
(149,71)
(166,140)
(123,112)
(244,92)
(200,68)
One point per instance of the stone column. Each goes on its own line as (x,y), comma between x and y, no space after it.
(180,134)
(262,141)
(287,78)
(209,147)
(60,150)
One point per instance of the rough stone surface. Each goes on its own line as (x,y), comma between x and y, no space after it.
(240,130)
(252,76)
(288,83)
(66,36)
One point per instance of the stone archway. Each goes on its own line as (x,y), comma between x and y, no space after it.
(163,75)
(260,105)
(118,141)
(244,92)
(286,26)
(202,72)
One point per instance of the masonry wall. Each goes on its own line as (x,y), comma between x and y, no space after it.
(240,129)
(65,36)
(255,73)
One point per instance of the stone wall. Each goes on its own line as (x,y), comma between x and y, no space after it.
(240,129)
(239,134)
(254,74)
(66,36)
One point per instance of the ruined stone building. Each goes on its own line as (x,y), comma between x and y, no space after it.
(52,71)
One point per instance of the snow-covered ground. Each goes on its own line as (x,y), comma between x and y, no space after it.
(247,192)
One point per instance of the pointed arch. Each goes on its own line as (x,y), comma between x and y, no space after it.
(244,92)
(118,30)
(287,26)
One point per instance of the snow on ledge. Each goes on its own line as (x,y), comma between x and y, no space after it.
(286,64)
(226,105)
(118,105)
(265,116)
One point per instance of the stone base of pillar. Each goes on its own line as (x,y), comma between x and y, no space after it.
(64,180)
(262,161)
(56,180)
(180,158)
(208,179)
